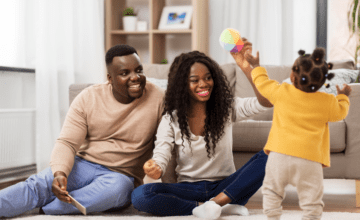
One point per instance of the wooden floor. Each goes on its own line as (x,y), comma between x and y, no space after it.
(6,184)
(339,196)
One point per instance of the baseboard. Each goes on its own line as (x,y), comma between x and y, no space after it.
(16,173)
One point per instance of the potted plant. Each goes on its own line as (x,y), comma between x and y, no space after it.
(129,19)
(354,26)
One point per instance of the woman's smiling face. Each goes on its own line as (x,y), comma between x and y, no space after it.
(200,82)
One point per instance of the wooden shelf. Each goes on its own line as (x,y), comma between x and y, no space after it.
(129,32)
(156,38)
(186,31)
(122,32)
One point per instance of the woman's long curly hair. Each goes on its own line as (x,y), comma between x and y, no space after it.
(177,97)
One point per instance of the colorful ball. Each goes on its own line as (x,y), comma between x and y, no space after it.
(230,40)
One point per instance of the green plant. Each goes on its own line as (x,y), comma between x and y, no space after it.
(164,61)
(129,12)
(354,27)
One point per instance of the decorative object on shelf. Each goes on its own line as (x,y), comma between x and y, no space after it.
(129,19)
(141,26)
(354,26)
(176,17)
(164,61)
(230,40)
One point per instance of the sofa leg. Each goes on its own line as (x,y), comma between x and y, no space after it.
(357,182)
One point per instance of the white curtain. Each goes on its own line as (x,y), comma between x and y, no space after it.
(65,45)
(276,28)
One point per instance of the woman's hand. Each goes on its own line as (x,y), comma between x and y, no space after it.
(152,169)
(59,187)
(346,90)
(239,57)
(253,61)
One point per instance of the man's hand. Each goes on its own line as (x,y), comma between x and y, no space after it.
(239,57)
(346,90)
(152,169)
(253,61)
(59,187)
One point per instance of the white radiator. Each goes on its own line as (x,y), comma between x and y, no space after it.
(17,123)
(17,137)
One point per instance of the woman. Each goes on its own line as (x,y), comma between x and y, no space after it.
(197,122)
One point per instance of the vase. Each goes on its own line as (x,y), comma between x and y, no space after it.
(129,23)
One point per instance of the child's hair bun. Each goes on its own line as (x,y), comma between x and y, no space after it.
(318,55)
(330,66)
(329,76)
(301,52)
(304,79)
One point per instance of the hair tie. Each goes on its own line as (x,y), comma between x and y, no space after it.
(303,79)
(303,55)
(312,87)
(326,75)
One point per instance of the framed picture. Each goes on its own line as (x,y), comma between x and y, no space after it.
(176,17)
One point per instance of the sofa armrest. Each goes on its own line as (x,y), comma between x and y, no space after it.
(75,89)
(352,120)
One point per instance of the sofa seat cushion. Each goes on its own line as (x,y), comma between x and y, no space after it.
(251,135)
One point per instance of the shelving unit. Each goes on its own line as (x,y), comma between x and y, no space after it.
(114,33)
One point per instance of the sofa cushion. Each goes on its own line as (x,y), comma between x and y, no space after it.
(158,71)
(229,71)
(251,135)
(343,64)
(243,87)
(75,89)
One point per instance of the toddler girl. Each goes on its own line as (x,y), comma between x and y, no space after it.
(298,143)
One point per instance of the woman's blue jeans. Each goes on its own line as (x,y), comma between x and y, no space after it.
(172,199)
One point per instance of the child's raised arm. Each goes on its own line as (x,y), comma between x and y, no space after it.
(244,65)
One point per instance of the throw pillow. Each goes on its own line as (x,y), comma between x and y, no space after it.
(341,76)
(162,83)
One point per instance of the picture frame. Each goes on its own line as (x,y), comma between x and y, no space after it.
(175,17)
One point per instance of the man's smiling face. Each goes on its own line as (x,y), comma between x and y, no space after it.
(125,74)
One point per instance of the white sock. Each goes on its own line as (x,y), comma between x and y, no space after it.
(208,210)
(232,209)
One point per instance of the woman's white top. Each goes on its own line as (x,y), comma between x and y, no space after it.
(193,164)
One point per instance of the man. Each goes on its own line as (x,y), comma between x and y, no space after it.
(107,136)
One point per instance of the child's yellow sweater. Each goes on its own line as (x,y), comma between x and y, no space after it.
(300,122)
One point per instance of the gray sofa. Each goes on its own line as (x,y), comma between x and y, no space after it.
(250,136)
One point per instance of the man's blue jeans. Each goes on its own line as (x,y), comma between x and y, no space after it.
(93,185)
(170,199)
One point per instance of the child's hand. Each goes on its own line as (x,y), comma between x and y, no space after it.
(152,169)
(253,61)
(346,90)
(240,59)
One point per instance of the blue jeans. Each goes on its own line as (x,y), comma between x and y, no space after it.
(93,185)
(170,199)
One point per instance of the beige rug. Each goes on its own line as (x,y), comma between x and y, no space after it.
(255,214)
(338,194)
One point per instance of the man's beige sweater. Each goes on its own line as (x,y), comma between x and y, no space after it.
(102,130)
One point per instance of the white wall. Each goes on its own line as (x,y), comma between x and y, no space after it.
(340,45)
(297,19)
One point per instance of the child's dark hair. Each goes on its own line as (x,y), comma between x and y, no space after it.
(311,70)
(177,97)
